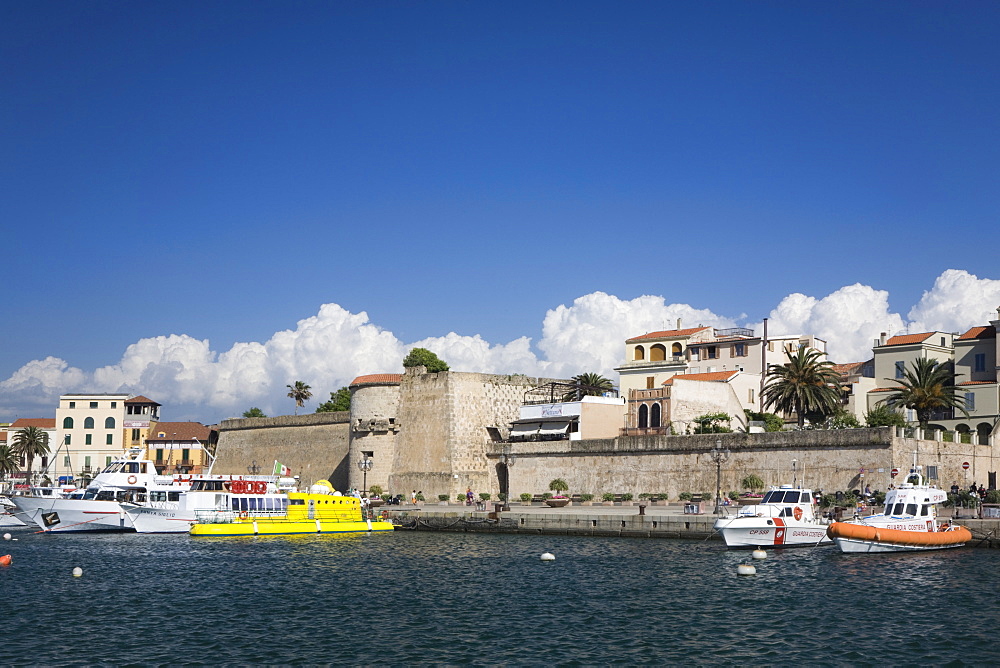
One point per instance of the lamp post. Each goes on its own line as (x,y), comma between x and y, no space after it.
(365,465)
(795,470)
(719,456)
(254,468)
(507,460)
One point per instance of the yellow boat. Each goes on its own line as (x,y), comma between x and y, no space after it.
(320,510)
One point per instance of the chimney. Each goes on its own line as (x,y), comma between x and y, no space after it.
(679,321)
(881,338)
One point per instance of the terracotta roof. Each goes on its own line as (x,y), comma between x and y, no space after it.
(904,339)
(41,423)
(668,333)
(141,400)
(844,369)
(178,431)
(711,377)
(884,389)
(377,378)
(979,333)
(977,382)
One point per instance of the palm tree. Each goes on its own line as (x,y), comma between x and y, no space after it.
(804,384)
(29,443)
(588,385)
(926,387)
(9,461)
(299,392)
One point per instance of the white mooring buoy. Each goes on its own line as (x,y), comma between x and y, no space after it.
(6,536)
(548,556)
(78,572)
(759,554)
(746,569)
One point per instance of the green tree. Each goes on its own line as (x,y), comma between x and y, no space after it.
(882,416)
(29,443)
(803,385)
(711,423)
(300,392)
(425,358)
(254,412)
(927,386)
(772,421)
(339,401)
(841,420)
(753,482)
(588,385)
(558,486)
(9,461)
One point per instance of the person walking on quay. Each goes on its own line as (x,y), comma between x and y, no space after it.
(413,498)
(469,496)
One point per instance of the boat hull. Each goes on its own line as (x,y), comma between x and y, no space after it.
(276,527)
(858,538)
(755,532)
(72,515)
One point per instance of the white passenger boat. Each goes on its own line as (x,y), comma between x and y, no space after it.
(8,518)
(233,496)
(909,522)
(785,517)
(99,506)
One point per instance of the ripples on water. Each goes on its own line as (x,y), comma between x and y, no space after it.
(480,599)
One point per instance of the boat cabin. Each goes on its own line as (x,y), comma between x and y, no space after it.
(784,501)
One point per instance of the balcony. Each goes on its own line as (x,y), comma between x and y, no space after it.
(673,360)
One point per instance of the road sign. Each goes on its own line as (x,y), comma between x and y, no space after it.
(894,473)
(965,465)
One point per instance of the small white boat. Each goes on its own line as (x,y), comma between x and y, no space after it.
(908,524)
(785,517)
(8,518)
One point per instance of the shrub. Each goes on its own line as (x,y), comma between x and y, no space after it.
(586,497)
(442,497)
(626,496)
(375,490)
(484,496)
(733,496)
(460,497)
(501,496)
(685,496)
(752,482)
(525,497)
(425,358)
(607,496)
(547,495)
(559,486)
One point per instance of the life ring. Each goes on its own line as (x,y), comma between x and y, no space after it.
(797,513)
(259,487)
(244,515)
(238,487)
(131,479)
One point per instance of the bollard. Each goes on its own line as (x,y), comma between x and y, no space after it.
(642,509)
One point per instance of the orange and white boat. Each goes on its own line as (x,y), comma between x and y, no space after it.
(908,524)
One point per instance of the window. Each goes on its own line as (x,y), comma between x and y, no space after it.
(159,454)
(93,404)
(932,472)
(900,369)
(88,423)
(650,382)
(88,439)
(640,353)
(86,461)
(658,353)
(654,418)
(135,434)
(72,404)
(107,460)
(67,423)
(66,463)
(185,455)
(980,362)
(740,350)
(712,352)
(109,423)
(643,416)
(750,397)
(943,344)
(114,404)
(110,440)
(68,439)
(970,401)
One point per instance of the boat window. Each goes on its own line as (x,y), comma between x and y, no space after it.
(105,495)
(769,497)
(173,496)
(898,510)
(785,512)
(236,504)
(923,511)
(157,496)
(911,509)
(296,502)
(90,493)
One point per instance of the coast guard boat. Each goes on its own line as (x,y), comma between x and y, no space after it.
(909,522)
(785,517)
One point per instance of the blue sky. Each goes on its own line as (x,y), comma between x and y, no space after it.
(187,184)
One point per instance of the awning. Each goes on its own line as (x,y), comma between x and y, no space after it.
(524,429)
(554,428)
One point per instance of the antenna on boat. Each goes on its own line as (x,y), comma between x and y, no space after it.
(209,454)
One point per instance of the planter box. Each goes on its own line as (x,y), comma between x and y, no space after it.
(626,503)
(557,503)
(586,503)
(375,503)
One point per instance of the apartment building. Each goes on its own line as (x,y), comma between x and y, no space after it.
(88,434)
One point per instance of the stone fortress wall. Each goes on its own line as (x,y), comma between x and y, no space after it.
(434,432)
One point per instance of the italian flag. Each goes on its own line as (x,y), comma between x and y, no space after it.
(281,470)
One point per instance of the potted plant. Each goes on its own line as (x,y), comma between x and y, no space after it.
(558,500)
(627,499)
(375,496)
(608,499)
(443,499)
(525,498)
(587,499)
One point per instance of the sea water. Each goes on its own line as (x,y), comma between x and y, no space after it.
(412,598)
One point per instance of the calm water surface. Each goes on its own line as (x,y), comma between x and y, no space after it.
(478,599)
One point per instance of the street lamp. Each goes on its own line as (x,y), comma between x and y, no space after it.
(506,460)
(719,456)
(795,480)
(254,468)
(365,465)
